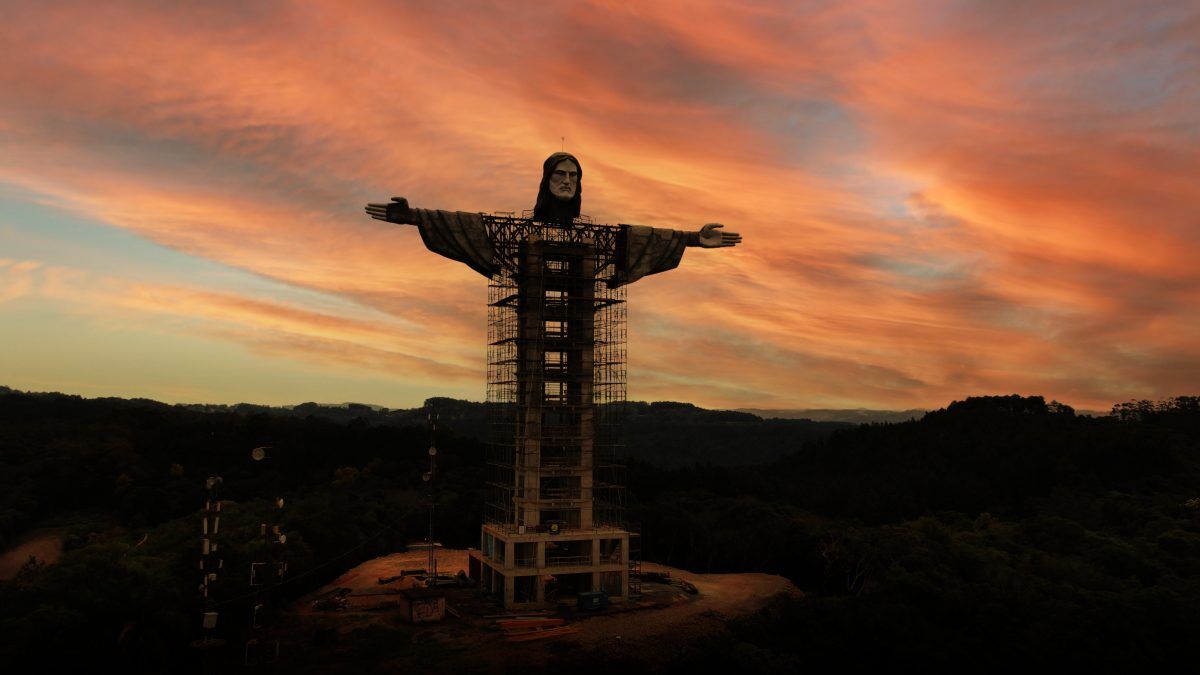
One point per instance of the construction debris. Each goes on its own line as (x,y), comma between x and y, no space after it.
(529,629)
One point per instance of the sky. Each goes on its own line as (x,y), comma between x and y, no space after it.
(937,199)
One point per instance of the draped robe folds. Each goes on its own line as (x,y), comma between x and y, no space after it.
(462,236)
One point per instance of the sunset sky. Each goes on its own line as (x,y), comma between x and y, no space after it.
(937,199)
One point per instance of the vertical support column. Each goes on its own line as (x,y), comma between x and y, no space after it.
(625,565)
(584,322)
(539,586)
(531,316)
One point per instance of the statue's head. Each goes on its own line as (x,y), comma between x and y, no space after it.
(559,194)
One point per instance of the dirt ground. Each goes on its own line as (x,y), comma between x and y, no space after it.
(46,546)
(720,597)
(665,615)
(363,581)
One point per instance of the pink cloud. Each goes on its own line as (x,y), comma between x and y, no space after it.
(936,201)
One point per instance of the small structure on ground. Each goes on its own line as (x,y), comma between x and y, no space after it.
(422,605)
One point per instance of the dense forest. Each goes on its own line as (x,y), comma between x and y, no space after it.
(998,531)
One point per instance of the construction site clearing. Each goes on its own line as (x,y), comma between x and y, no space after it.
(674,606)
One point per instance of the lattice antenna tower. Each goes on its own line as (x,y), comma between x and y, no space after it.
(266,574)
(210,560)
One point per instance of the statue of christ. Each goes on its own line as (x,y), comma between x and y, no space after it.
(464,236)
(556,378)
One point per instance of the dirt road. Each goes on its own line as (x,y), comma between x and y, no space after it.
(46,546)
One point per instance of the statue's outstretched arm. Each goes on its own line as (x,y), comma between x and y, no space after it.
(456,235)
(645,250)
(395,212)
(709,237)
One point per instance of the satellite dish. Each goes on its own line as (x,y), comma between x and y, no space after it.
(259,454)
(432,451)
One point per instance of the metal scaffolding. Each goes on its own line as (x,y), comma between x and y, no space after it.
(556,377)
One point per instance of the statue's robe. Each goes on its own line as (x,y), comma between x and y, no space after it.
(462,236)
(458,235)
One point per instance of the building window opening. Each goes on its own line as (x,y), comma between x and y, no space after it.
(555,392)
(556,298)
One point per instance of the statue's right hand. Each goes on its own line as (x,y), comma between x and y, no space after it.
(395,212)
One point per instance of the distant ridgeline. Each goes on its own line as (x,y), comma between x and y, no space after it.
(663,433)
(853,415)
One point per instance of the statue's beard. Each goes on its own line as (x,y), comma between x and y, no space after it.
(553,209)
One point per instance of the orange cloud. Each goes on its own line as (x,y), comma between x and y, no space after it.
(936,200)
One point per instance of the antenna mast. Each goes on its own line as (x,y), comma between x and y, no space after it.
(428,477)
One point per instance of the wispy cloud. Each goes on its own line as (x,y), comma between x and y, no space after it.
(373,342)
(937,200)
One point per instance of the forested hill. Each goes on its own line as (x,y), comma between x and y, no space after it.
(145,461)
(997,532)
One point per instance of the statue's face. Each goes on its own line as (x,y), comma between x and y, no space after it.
(564,180)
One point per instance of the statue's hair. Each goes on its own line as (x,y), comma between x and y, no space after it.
(550,208)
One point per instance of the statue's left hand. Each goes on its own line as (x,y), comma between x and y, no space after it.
(710,237)
(396,212)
